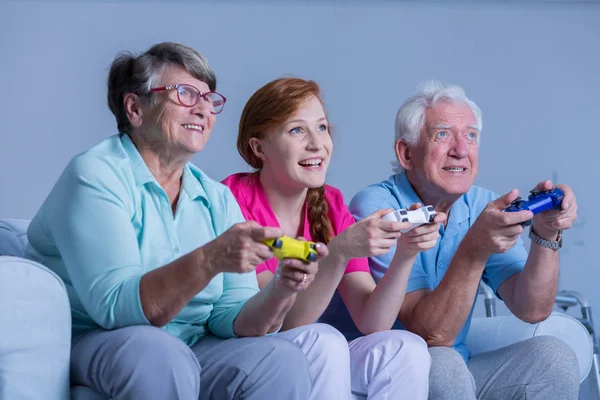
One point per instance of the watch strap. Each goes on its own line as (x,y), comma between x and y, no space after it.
(549,244)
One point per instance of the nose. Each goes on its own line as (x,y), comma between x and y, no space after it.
(202,108)
(315,141)
(459,147)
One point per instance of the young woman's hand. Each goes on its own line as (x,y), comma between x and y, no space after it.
(294,275)
(421,238)
(369,237)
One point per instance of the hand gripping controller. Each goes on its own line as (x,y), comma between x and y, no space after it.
(287,247)
(538,202)
(420,216)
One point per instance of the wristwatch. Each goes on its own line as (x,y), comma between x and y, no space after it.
(550,244)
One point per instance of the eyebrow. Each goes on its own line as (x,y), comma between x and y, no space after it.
(304,121)
(446,126)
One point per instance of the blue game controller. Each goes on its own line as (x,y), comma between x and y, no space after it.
(539,201)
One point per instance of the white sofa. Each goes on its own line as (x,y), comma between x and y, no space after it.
(35,328)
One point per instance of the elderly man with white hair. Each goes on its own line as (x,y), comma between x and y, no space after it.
(437,149)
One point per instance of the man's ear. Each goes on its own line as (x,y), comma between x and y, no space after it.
(131,103)
(403,154)
(256,146)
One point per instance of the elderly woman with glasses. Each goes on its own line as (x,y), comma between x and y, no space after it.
(159,262)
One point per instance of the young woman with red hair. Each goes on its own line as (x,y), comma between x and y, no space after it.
(285,135)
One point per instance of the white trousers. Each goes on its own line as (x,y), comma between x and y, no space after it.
(390,365)
(326,350)
(382,366)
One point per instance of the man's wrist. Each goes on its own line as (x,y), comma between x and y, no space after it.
(469,249)
(554,244)
(545,234)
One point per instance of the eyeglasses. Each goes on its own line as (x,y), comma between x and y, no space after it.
(189,96)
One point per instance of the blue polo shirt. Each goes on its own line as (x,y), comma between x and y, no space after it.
(107,222)
(430,266)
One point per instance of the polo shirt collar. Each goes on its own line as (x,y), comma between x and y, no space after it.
(459,211)
(191,183)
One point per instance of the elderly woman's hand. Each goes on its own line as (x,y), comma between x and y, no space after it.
(240,248)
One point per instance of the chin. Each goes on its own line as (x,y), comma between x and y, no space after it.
(458,189)
(313,183)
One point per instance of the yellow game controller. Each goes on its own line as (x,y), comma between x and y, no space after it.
(288,247)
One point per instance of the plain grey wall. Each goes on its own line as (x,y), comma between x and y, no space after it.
(532,67)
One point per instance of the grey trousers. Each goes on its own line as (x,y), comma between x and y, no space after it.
(144,362)
(542,367)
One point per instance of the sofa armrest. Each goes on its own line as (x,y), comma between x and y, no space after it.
(487,334)
(35,332)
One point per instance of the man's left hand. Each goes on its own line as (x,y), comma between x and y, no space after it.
(548,223)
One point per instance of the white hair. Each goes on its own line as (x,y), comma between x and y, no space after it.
(411,115)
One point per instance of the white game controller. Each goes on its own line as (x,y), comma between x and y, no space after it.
(420,216)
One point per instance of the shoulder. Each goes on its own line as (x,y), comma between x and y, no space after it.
(106,165)
(213,188)
(240,183)
(334,196)
(375,196)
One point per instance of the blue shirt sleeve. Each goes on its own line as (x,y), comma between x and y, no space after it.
(237,288)
(88,214)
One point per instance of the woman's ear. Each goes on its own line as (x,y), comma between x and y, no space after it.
(403,154)
(256,146)
(131,103)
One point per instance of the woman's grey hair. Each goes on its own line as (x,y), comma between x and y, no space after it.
(131,74)
(411,115)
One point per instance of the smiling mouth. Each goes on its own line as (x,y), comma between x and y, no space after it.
(454,169)
(312,163)
(193,127)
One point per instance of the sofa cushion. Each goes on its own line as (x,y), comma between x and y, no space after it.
(35,331)
(12,241)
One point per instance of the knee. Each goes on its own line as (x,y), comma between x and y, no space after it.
(287,361)
(556,359)
(325,339)
(448,369)
(405,346)
(144,346)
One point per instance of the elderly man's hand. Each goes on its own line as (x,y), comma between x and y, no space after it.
(495,231)
(294,276)
(547,224)
(240,248)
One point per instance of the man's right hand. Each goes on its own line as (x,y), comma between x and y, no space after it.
(240,248)
(495,231)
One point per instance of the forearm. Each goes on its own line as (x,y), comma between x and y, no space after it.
(381,307)
(264,312)
(535,289)
(440,316)
(166,290)
(311,303)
